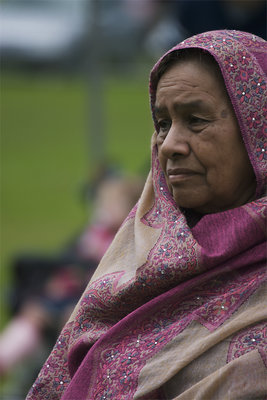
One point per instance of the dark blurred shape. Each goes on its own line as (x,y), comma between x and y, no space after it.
(33,271)
(204,15)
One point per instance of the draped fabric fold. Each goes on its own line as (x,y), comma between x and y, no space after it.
(175,309)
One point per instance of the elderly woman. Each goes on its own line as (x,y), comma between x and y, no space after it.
(175,308)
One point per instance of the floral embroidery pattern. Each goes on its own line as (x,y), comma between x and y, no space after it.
(60,382)
(254,120)
(259,207)
(243,93)
(211,305)
(243,57)
(261,151)
(51,383)
(244,75)
(259,85)
(231,64)
(252,338)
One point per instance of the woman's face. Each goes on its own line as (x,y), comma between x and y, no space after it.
(199,143)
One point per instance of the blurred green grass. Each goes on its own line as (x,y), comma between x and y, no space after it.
(45,159)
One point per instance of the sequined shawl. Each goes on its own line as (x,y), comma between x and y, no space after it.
(174,312)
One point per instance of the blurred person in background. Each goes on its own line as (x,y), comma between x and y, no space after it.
(114,198)
(175,308)
(47,288)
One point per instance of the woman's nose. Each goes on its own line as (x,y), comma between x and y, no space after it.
(176,143)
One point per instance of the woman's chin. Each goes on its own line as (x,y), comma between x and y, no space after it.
(192,201)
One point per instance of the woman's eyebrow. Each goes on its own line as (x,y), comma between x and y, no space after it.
(159,110)
(191,104)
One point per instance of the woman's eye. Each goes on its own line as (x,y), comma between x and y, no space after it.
(196,120)
(164,125)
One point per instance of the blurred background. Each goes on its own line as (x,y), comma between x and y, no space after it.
(75,147)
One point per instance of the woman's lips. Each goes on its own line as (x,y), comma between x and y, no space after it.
(177,175)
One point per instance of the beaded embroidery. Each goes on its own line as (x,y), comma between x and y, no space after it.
(249,339)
